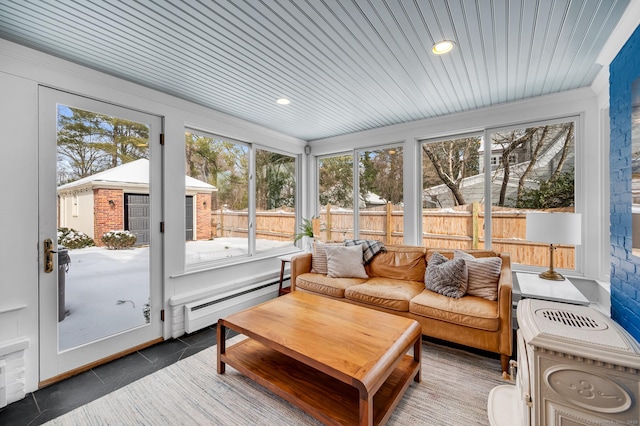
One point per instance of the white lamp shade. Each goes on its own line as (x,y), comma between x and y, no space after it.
(554,228)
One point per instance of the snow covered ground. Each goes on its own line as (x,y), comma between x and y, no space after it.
(106,290)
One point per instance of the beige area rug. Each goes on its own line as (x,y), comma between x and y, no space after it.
(454,389)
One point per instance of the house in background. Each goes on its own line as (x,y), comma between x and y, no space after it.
(118,199)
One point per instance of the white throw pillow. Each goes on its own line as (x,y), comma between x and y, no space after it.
(345,262)
(484,273)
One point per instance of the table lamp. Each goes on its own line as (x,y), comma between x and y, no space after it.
(553,228)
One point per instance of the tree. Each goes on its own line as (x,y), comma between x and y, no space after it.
(89,142)
(452,161)
(556,192)
(530,146)
(383,175)
(275,180)
(221,163)
(336,181)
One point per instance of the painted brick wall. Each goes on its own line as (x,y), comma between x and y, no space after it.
(625,269)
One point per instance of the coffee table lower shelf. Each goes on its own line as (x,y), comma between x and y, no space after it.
(321,396)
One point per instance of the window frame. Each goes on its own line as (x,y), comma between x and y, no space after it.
(355,156)
(252,253)
(485,134)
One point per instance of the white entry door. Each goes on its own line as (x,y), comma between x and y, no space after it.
(100,288)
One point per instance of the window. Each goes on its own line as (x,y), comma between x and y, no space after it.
(335,189)
(378,198)
(539,175)
(532,168)
(380,183)
(452,192)
(218,182)
(275,199)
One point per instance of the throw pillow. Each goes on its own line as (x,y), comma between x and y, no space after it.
(319,257)
(447,277)
(369,248)
(484,274)
(345,262)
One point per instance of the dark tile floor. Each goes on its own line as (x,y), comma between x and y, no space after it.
(54,400)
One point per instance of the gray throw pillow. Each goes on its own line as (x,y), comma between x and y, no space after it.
(483,274)
(345,262)
(447,277)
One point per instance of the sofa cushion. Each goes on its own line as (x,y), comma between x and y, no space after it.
(345,262)
(320,283)
(447,277)
(387,293)
(319,257)
(399,262)
(468,311)
(483,274)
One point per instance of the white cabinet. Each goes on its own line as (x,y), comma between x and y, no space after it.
(575,367)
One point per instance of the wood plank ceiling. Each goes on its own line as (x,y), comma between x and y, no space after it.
(346,65)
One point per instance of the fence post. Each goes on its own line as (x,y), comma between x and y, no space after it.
(328,230)
(475,224)
(315,223)
(389,223)
(222,222)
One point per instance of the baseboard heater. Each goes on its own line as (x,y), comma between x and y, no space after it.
(204,313)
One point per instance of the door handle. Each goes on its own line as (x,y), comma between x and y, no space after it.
(48,255)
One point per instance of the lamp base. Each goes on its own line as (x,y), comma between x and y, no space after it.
(551,275)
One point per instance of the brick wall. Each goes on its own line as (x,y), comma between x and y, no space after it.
(625,269)
(203,219)
(107,217)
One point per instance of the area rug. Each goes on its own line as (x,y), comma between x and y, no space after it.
(454,389)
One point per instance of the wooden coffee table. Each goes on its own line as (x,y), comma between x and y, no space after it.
(340,363)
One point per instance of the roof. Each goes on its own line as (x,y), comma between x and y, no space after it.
(133,173)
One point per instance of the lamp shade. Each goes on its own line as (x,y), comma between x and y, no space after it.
(554,228)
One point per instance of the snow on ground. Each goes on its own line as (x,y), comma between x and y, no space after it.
(106,290)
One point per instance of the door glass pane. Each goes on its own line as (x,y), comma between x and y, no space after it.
(532,169)
(103,225)
(452,193)
(381,209)
(335,189)
(275,200)
(218,179)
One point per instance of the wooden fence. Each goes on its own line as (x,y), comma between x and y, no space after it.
(453,228)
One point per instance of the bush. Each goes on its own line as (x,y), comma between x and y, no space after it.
(116,240)
(72,239)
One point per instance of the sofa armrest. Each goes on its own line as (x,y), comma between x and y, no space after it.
(300,264)
(505,288)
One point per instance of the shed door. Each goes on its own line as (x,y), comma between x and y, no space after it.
(136,210)
(189,217)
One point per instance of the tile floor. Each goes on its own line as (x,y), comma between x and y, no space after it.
(54,400)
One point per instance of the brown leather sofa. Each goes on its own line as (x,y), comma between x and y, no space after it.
(396,285)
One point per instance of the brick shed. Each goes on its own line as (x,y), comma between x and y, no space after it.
(118,199)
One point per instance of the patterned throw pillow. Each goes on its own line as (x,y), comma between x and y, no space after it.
(319,257)
(447,277)
(345,262)
(484,274)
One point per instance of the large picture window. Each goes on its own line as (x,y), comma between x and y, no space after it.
(529,168)
(218,181)
(369,208)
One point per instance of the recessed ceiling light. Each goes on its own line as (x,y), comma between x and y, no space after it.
(283,101)
(442,47)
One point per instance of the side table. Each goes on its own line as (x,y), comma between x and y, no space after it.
(534,287)
(283,261)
